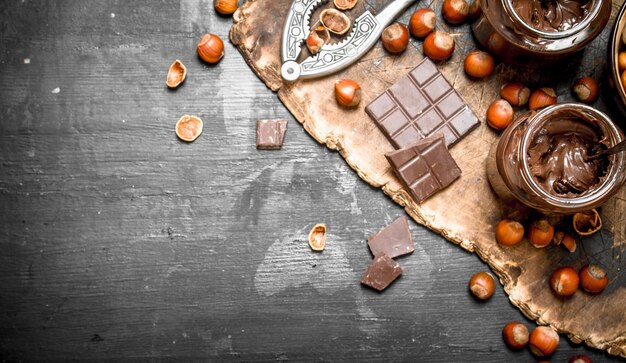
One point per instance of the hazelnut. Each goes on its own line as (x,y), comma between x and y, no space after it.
(500,114)
(482,285)
(474,10)
(580,358)
(335,21)
(188,128)
(585,89)
(317,237)
(542,97)
(438,45)
(395,38)
(509,233)
(344,4)
(225,7)
(540,233)
(564,281)
(516,93)
(593,278)
(210,48)
(543,341)
(515,335)
(621,61)
(317,38)
(455,11)
(479,64)
(623,79)
(496,44)
(422,22)
(176,74)
(347,92)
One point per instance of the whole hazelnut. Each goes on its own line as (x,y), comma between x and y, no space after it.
(438,46)
(585,89)
(516,93)
(496,44)
(509,232)
(479,64)
(422,22)
(482,285)
(593,278)
(564,281)
(455,11)
(541,97)
(623,79)
(621,61)
(515,335)
(543,341)
(500,114)
(395,38)
(225,7)
(474,10)
(347,93)
(580,358)
(210,48)
(540,233)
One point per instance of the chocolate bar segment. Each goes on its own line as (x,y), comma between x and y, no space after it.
(424,167)
(270,134)
(394,240)
(381,272)
(418,105)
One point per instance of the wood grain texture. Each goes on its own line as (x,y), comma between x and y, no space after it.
(466,212)
(118,242)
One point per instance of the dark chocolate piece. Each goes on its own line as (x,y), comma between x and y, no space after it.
(394,240)
(420,104)
(381,272)
(270,134)
(424,167)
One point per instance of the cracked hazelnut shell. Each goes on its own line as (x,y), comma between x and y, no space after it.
(317,237)
(317,38)
(188,128)
(344,4)
(335,21)
(176,74)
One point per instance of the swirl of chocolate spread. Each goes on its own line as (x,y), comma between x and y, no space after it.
(552,15)
(557,157)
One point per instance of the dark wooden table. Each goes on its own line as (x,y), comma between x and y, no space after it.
(119,241)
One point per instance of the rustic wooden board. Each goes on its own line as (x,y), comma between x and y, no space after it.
(466,212)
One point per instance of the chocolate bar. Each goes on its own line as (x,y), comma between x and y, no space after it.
(270,134)
(419,105)
(381,272)
(394,240)
(424,167)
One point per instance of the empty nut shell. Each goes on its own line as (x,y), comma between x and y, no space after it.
(317,237)
(188,128)
(335,21)
(345,4)
(176,74)
(317,38)
(587,223)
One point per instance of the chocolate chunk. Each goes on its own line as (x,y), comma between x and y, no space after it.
(381,272)
(420,104)
(270,134)
(424,167)
(394,240)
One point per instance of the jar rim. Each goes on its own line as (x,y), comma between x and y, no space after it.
(593,12)
(609,131)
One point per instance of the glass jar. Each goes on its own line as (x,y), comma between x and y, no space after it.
(509,170)
(514,39)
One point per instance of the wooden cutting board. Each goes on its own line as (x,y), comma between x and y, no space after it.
(467,211)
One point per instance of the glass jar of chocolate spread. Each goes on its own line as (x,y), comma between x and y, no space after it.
(542,160)
(519,31)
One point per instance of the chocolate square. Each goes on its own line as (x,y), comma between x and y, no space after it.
(394,240)
(270,134)
(418,105)
(381,272)
(425,167)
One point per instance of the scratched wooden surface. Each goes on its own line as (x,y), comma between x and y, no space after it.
(119,241)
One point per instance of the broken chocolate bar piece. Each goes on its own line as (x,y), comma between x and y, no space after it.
(381,272)
(270,134)
(420,104)
(424,167)
(394,240)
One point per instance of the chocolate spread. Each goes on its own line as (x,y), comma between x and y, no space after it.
(557,157)
(552,15)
